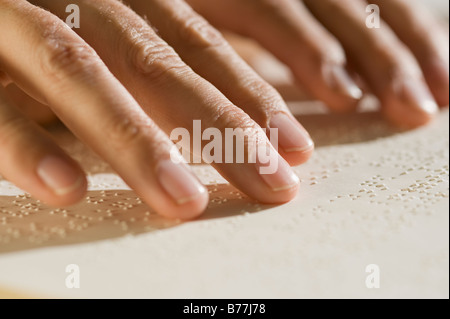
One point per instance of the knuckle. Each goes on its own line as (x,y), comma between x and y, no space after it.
(61,50)
(154,58)
(231,117)
(69,57)
(73,57)
(58,48)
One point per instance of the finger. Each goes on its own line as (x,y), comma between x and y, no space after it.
(174,95)
(68,75)
(267,66)
(205,50)
(415,26)
(387,66)
(286,29)
(31,160)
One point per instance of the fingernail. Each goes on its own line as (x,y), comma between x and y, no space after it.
(292,137)
(274,170)
(339,79)
(178,182)
(419,96)
(59,175)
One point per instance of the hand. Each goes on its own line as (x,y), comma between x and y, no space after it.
(82,90)
(122,97)
(321,40)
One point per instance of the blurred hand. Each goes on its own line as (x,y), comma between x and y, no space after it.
(326,44)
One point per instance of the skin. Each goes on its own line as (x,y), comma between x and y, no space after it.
(122,87)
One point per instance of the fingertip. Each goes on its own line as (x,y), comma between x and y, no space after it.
(187,196)
(343,94)
(437,76)
(280,196)
(189,210)
(281,182)
(291,136)
(66,199)
(405,115)
(409,104)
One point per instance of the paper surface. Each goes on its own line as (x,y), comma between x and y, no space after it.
(369,195)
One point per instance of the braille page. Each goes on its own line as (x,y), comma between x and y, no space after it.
(370,196)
